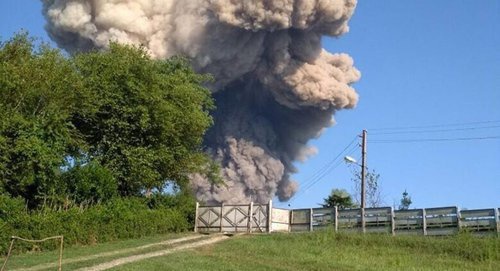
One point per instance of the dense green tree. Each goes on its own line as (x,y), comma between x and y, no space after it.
(81,126)
(144,119)
(90,183)
(339,198)
(38,90)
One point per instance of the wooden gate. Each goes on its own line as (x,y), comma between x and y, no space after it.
(233,218)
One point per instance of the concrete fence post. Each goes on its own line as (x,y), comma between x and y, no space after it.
(393,222)
(497,220)
(221,216)
(336,218)
(363,222)
(196,217)
(311,219)
(459,219)
(250,217)
(270,216)
(424,222)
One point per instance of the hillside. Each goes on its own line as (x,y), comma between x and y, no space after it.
(300,251)
(330,251)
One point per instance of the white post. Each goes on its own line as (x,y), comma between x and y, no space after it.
(250,217)
(221,215)
(497,219)
(424,222)
(336,218)
(393,224)
(310,219)
(363,223)
(270,216)
(196,217)
(459,218)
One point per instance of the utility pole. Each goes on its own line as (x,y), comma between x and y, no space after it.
(363,175)
(363,169)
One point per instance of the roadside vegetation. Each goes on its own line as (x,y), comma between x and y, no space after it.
(98,145)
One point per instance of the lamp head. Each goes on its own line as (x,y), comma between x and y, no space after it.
(349,159)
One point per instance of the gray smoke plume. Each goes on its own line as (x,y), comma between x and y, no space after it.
(276,87)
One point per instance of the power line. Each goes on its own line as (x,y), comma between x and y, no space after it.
(435,125)
(433,139)
(320,177)
(435,131)
(328,164)
(325,170)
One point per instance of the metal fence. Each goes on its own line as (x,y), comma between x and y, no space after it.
(429,221)
(265,218)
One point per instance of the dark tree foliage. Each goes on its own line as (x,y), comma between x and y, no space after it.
(405,201)
(98,124)
(144,119)
(38,92)
(339,198)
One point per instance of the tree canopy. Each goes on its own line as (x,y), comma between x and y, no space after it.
(405,201)
(113,121)
(339,198)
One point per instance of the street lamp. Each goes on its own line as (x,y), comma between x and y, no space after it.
(351,160)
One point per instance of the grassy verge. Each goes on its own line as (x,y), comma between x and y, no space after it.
(330,251)
(51,257)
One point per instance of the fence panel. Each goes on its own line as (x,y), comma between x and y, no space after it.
(300,220)
(208,219)
(280,220)
(481,221)
(378,220)
(441,221)
(235,218)
(349,220)
(409,222)
(259,218)
(323,218)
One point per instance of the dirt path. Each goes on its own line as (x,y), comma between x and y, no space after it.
(112,253)
(135,258)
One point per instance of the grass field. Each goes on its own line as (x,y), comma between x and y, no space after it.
(304,251)
(125,248)
(330,251)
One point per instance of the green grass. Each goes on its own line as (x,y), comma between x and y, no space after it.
(38,258)
(330,251)
(301,251)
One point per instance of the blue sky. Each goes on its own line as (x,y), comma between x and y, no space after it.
(434,65)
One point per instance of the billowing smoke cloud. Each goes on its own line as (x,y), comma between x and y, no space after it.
(276,87)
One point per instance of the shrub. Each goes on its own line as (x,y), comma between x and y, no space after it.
(119,218)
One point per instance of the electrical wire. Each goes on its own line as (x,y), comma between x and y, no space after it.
(435,125)
(328,164)
(326,169)
(433,139)
(320,177)
(435,131)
